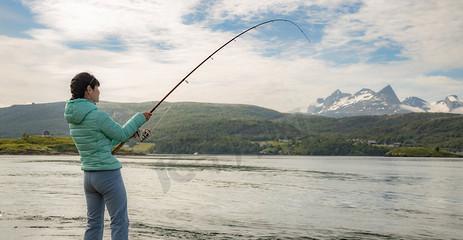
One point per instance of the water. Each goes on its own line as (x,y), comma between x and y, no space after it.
(238,197)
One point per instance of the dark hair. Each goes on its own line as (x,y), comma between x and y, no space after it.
(80,82)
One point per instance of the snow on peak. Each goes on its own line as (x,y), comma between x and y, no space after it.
(452,98)
(439,106)
(362,95)
(364,91)
(416,102)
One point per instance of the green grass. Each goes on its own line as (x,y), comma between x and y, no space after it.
(143,148)
(34,144)
(419,152)
(37,145)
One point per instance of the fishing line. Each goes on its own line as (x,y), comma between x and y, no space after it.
(156,125)
(212,54)
(162,117)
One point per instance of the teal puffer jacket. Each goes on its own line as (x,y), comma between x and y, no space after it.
(95,133)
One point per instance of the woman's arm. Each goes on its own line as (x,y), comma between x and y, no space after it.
(116,132)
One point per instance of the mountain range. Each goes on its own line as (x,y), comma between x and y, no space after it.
(384,102)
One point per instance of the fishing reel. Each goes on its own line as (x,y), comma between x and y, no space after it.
(142,134)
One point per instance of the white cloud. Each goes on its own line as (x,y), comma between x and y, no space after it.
(39,69)
(248,10)
(430,32)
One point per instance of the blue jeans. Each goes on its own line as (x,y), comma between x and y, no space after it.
(106,188)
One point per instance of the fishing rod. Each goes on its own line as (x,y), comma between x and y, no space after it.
(210,56)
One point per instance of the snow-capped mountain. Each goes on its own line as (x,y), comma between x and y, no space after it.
(369,102)
(449,104)
(389,95)
(415,104)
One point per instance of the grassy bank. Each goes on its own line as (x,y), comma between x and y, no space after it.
(37,145)
(46,145)
(65,145)
(420,152)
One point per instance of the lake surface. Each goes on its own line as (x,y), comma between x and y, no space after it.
(242,197)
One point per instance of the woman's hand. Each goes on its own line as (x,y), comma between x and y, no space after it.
(141,134)
(147,115)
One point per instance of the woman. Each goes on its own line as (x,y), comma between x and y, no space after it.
(95,134)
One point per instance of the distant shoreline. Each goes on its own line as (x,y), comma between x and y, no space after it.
(205,154)
(46,145)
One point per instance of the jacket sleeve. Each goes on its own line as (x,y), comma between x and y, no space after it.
(114,143)
(118,133)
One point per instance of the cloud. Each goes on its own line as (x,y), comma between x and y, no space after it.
(428,31)
(140,49)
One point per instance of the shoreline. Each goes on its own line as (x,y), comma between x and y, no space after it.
(218,154)
(48,145)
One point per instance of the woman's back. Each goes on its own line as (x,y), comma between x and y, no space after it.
(95,133)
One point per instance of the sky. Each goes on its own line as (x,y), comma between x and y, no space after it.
(139,50)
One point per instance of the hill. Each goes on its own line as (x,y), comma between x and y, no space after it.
(188,127)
